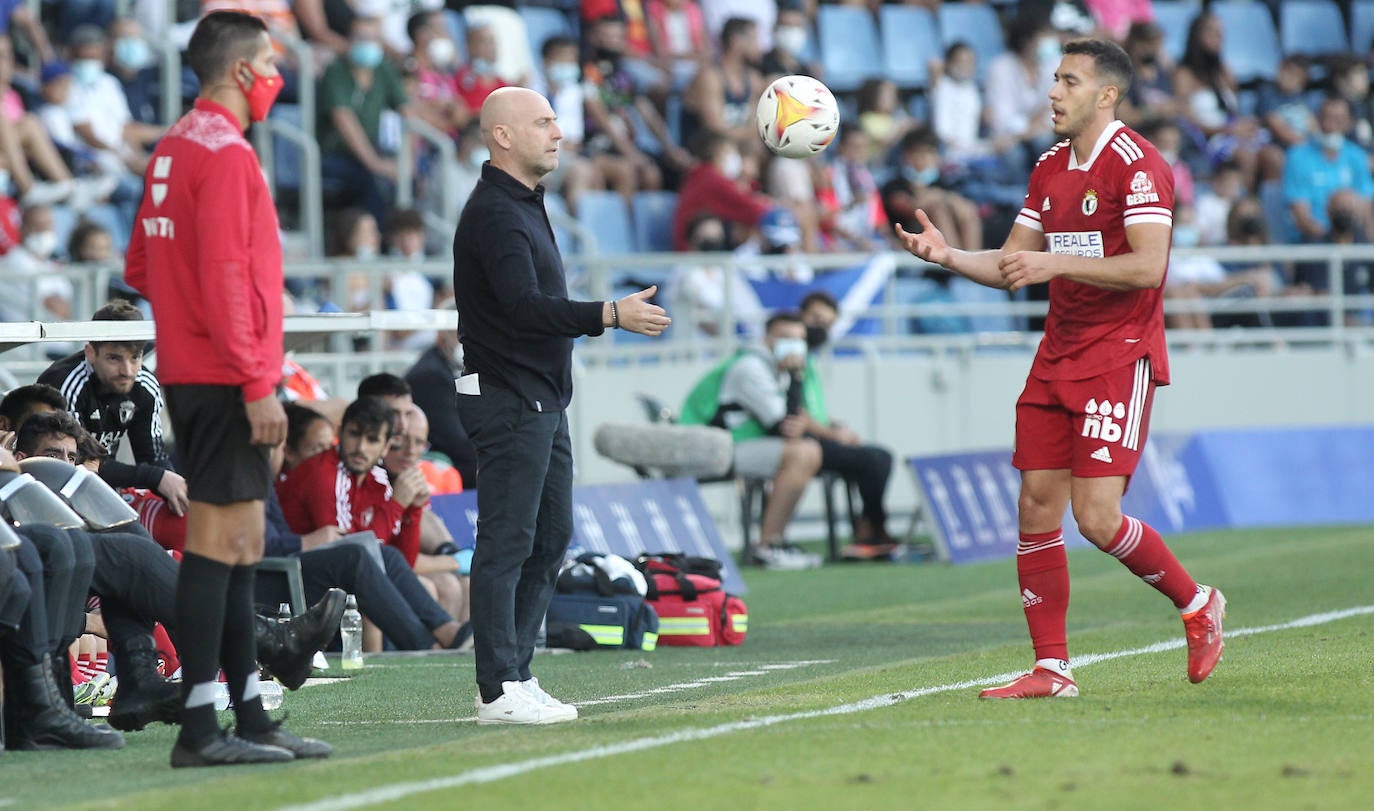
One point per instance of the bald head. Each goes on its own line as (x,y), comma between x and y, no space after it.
(520,129)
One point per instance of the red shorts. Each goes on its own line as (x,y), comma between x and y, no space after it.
(1093,428)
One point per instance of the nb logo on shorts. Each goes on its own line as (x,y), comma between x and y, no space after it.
(1103,420)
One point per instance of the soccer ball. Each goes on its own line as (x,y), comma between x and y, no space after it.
(797,117)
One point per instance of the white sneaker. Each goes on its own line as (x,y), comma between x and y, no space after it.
(44,193)
(515,706)
(785,557)
(534,691)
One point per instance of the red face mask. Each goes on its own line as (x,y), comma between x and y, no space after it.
(262,93)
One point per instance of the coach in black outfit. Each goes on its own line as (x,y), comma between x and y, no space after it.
(517,327)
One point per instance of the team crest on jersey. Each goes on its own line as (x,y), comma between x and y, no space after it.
(1089,203)
(126,412)
(1142,190)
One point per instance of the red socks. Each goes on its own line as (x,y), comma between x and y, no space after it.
(1042,568)
(1139,548)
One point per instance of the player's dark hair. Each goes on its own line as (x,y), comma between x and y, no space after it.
(383,384)
(1110,62)
(706,144)
(368,414)
(819,297)
(40,425)
(18,402)
(220,39)
(118,310)
(299,418)
(89,448)
(782,317)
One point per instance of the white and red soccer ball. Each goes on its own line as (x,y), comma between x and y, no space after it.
(797,117)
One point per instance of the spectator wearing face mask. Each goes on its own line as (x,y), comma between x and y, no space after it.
(866,467)
(360,100)
(713,185)
(478,78)
(1325,164)
(697,290)
(31,288)
(100,110)
(576,172)
(136,66)
(791,36)
(435,58)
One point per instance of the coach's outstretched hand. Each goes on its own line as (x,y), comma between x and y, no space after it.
(929,245)
(638,315)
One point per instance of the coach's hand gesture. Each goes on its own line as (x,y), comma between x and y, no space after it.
(638,315)
(929,245)
(267,419)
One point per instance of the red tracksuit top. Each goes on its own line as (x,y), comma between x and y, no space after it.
(320,492)
(206,252)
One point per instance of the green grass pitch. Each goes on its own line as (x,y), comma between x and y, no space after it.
(855,689)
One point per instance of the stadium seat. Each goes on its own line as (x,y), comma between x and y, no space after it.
(652,212)
(1250,45)
(1312,28)
(1174,17)
(542,23)
(557,209)
(286,156)
(514,58)
(605,215)
(910,38)
(976,24)
(458,30)
(1362,26)
(850,51)
(64,219)
(110,217)
(1277,219)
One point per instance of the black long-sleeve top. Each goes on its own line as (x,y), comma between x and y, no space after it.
(515,319)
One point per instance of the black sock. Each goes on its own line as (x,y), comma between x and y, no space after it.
(201,587)
(239,652)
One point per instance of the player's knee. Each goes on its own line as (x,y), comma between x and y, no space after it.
(1097,522)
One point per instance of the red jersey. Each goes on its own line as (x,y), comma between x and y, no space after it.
(1083,210)
(206,252)
(321,492)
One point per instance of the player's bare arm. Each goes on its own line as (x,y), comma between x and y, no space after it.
(1143,267)
(980,266)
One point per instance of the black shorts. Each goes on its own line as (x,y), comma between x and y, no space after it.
(213,437)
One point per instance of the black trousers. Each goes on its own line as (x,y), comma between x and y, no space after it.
(136,580)
(67,566)
(866,466)
(31,639)
(394,600)
(524,461)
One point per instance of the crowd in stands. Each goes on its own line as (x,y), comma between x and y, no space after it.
(659,95)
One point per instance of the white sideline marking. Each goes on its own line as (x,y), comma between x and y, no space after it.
(655,691)
(491,774)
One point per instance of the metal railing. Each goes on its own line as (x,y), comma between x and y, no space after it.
(444,221)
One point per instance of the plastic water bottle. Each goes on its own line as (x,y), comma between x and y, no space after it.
(271,693)
(283,612)
(351,631)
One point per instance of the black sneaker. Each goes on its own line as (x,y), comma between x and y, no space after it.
(287,649)
(227,749)
(276,737)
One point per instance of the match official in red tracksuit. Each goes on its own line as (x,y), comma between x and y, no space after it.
(205,251)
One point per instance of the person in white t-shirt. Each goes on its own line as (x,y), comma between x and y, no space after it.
(31,287)
(97,106)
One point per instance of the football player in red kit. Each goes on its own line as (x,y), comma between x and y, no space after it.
(1096,226)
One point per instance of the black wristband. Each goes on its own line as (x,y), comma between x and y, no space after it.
(446,548)
(615,317)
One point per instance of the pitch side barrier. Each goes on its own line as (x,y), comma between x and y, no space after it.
(653,515)
(1186,482)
